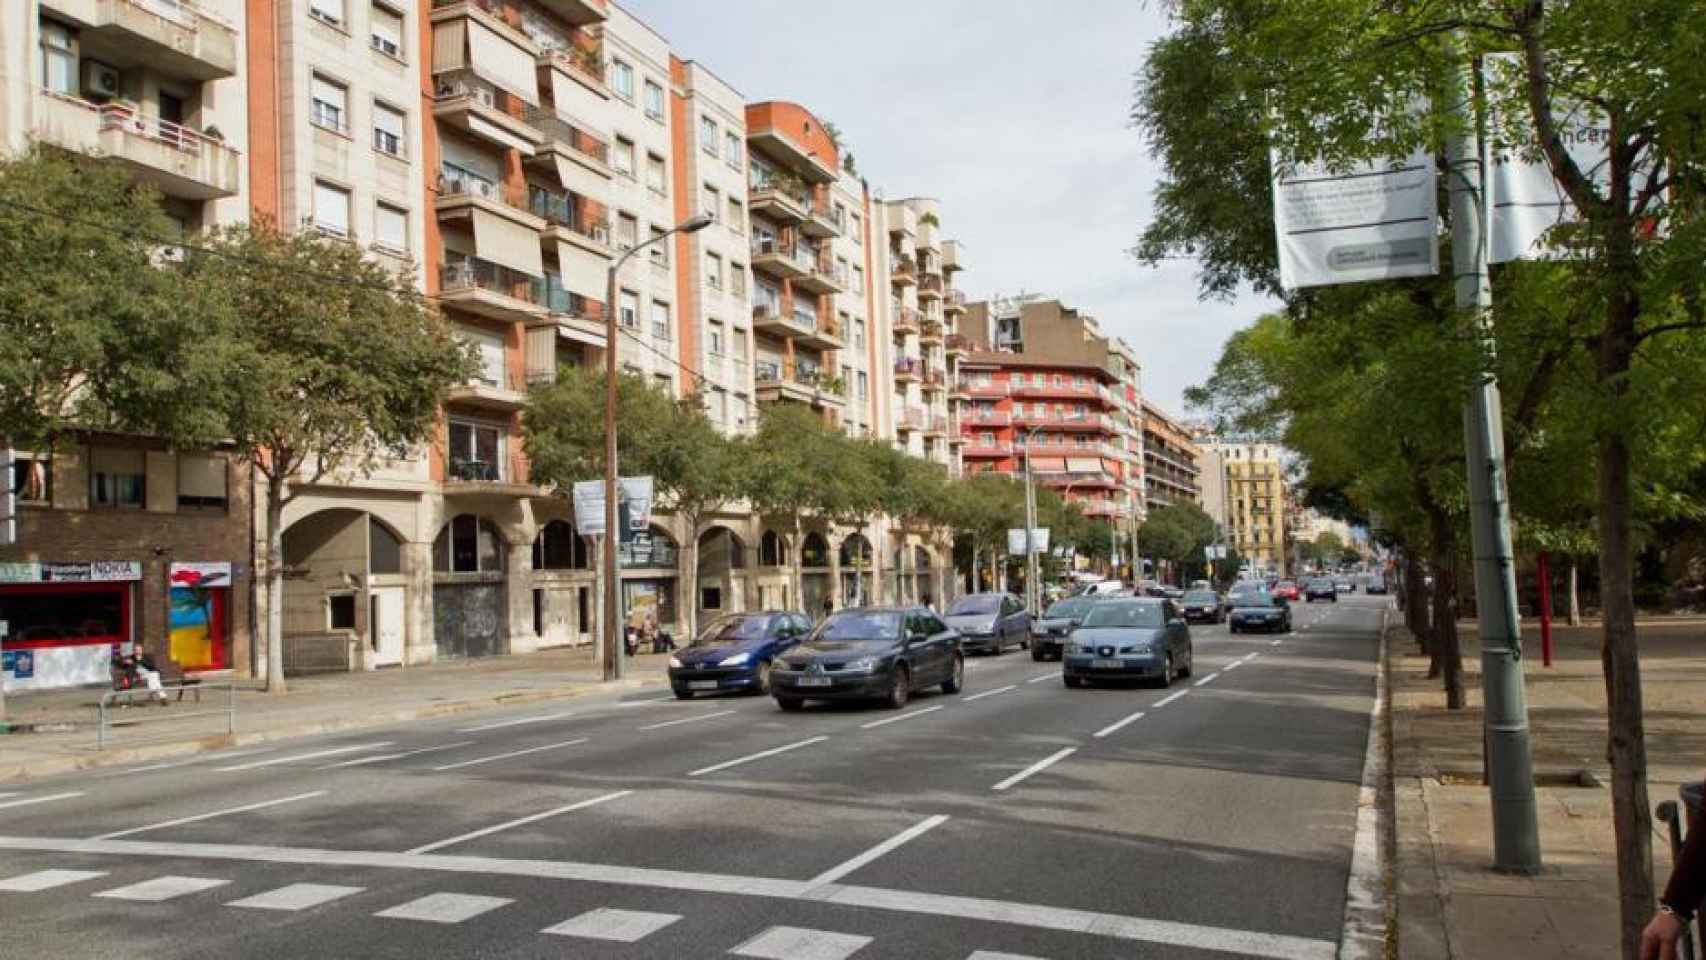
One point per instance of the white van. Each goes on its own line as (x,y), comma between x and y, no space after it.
(1102,588)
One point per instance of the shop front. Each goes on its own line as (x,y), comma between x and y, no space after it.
(61,622)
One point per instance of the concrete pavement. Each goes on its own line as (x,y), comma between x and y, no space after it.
(1017,819)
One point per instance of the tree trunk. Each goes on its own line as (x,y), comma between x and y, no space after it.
(1575,597)
(799,566)
(1416,602)
(690,576)
(275,585)
(1448,649)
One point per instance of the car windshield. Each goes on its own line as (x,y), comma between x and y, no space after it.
(1124,615)
(1067,609)
(1255,598)
(979,604)
(861,625)
(729,630)
(1200,596)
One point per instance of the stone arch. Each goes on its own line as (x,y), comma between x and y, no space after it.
(559,547)
(721,549)
(469,543)
(814,550)
(345,566)
(772,549)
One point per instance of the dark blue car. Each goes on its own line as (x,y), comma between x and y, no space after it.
(1136,639)
(735,652)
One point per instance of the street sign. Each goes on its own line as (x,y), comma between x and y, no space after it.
(1016,540)
(634,509)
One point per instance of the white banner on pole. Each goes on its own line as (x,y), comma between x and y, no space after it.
(634,507)
(1016,540)
(1373,221)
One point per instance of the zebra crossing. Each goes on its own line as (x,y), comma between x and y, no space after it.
(608,924)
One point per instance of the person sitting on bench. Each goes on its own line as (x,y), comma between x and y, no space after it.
(141,667)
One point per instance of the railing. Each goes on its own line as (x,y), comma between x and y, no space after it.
(454,181)
(993,418)
(587,63)
(773,247)
(828,214)
(572,133)
(1049,388)
(469,470)
(457,84)
(955,298)
(804,318)
(784,185)
(930,283)
(931,330)
(908,367)
(911,418)
(560,300)
(984,388)
(907,320)
(657,553)
(104,721)
(184,13)
(904,266)
(564,210)
(477,274)
(995,448)
(935,377)
(126,117)
(961,343)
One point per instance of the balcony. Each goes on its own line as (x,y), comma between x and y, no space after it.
(908,370)
(581,13)
(906,319)
(801,326)
(507,396)
(781,198)
(776,382)
(1075,448)
(930,286)
(910,420)
(978,448)
(481,478)
(1106,508)
(984,388)
(179,38)
(822,277)
(176,160)
(978,417)
(763,134)
(930,331)
(935,380)
(953,256)
(936,425)
(823,221)
(780,258)
(903,271)
(954,302)
(569,146)
(468,103)
(580,64)
(566,219)
(1027,387)
(462,191)
(489,290)
(958,344)
(579,319)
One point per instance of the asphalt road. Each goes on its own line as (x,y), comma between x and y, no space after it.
(1018,819)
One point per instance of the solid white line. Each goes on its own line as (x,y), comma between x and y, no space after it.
(899,717)
(988,693)
(1248,657)
(1046,676)
(1275,643)
(646,702)
(1169,698)
(1036,768)
(671,723)
(335,751)
(1010,913)
(1207,680)
(497,828)
(381,758)
(1364,933)
(1117,725)
(755,756)
(517,722)
(910,833)
(506,756)
(1232,666)
(207,816)
(205,758)
(49,798)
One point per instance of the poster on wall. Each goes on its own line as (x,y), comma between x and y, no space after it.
(1371,221)
(196,616)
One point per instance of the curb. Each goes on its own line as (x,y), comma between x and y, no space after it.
(1370,926)
(1419,894)
(55,766)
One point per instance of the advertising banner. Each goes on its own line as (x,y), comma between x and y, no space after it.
(634,510)
(1373,221)
(83,571)
(1016,540)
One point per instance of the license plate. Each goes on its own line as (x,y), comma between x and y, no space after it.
(1102,664)
(702,685)
(814,681)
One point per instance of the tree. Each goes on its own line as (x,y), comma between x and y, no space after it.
(798,466)
(1178,533)
(337,363)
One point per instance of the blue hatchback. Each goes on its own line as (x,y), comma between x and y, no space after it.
(735,652)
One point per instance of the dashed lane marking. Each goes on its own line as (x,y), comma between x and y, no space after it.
(209,816)
(381,758)
(988,693)
(1119,725)
(899,717)
(505,756)
(47,798)
(760,755)
(296,757)
(1035,768)
(517,722)
(1046,676)
(498,828)
(695,719)
(619,926)
(1207,680)
(1169,698)
(445,907)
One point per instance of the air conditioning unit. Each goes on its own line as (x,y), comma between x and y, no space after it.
(100,82)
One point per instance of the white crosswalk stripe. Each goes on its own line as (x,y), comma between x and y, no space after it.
(162,888)
(296,896)
(47,880)
(798,943)
(621,926)
(987,955)
(445,907)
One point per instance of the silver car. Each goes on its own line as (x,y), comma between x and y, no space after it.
(991,622)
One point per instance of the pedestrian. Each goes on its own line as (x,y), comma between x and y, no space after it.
(141,668)
(828,607)
(1682,896)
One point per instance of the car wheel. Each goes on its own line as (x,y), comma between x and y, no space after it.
(900,688)
(1025,640)
(790,704)
(1036,653)
(956,676)
(1167,672)
(1071,681)
(683,694)
(1232,629)
(761,686)
(999,647)
(1190,662)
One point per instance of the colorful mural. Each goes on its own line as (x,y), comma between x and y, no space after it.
(197,617)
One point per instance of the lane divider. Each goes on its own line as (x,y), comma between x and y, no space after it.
(1168,699)
(1046,676)
(208,816)
(1035,768)
(988,693)
(899,717)
(27,801)
(671,723)
(505,756)
(380,758)
(1207,680)
(755,756)
(887,846)
(1118,725)
(516,722)
(315,755)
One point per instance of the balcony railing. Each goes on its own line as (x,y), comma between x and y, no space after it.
(955,298)
(589,64)
(903,266)
(984,388)
(475,274)
(571,133)
(786,185)
(991,418)
(126,117)
(557,299)
(909,368)
(912,418)
(454,181)
(930,283)
(931,330)
(1049,388)
(567,211)
(907,320)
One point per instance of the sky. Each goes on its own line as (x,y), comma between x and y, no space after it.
(1014,116)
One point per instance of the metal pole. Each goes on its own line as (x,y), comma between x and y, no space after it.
(1030,525)
(1510,763)
(612,576)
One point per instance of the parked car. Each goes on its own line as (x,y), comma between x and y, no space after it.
(1345,585)
(991,622)
(1172,593)
(1320,588)
(1287,589)
(736,651)
(1203,606)
(1137,639)
(1376,585)
(1260,611)
(1050,631)
(870,653)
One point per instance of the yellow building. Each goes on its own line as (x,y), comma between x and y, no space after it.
(1244,490)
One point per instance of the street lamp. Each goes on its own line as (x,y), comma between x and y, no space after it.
(1032,595)
(612,577)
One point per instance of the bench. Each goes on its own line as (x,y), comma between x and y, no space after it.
(171,675)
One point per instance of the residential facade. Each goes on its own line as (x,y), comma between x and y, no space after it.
(1244,490)
(120,539)
(1170,471)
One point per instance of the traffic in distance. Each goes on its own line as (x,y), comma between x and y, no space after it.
(1101,631)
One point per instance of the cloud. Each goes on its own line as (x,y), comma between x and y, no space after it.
(1013,115)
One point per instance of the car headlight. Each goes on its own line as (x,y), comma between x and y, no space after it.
(675,662)
(736,660)
(1076,648)
(862,665)
(1143,647)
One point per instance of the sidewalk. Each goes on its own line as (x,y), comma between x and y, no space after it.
(1450,902)
(316,704)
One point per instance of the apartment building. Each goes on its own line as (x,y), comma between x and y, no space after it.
(924,349)
(1243,487)
(1170,471)
(118,538)
(1051,387)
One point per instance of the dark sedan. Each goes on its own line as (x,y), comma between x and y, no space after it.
(870,653)
(736,652)
(991,622)
(1135,639)
(1321,588)
(1049,633)
(1259,611)
(1203,606)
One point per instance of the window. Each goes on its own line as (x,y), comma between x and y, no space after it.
(628,309)
(659,251)
(737,216)
(201,482)
(331,209)
(841,271)
(330,104)
(117,478)
(622,79)
(622,158)
(391,229)
(340,611)
(660,320)
(58,59)
(559,548)
(858,280)
(386,28)
(853,228)
(663,383)
(714,337)
(654,101)
(331,11)
(713,271)
(627,230)
(387,130)
(467,544)
(864,385)
(737,279)
(713,201)
(657,177)
(731,149)
(708,133)
(476,451)
(32,477)
(859,334)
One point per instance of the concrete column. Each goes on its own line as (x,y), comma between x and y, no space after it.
(419,645)
(835,574)
(518,593)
